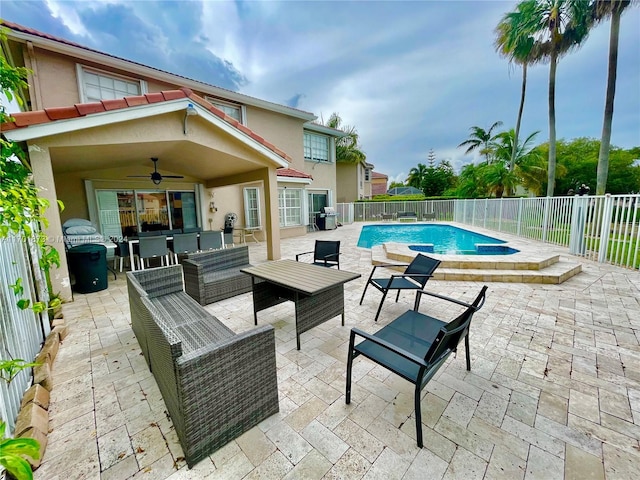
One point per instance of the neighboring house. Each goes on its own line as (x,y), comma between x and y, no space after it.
(378,183)
(353,181)
(94,121)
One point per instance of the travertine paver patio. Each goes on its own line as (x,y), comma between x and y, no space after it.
(554,390)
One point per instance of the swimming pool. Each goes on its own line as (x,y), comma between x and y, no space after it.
(433,238)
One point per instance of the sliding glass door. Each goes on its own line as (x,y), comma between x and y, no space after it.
(124,213)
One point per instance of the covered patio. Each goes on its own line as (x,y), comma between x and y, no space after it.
(553,391)
(77,151)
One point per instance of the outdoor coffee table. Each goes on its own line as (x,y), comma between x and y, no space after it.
(318,292)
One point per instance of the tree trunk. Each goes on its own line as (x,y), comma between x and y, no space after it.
(551,177)
(514,149)
(605,142)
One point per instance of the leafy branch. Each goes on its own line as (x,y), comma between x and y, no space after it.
(12,451)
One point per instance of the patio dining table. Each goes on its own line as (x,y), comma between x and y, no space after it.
(318,292)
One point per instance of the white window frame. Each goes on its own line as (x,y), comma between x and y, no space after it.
(248,209)
(222,105)
(290,216)
(82,70)
(312,152)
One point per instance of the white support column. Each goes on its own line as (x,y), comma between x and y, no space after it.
(43,178)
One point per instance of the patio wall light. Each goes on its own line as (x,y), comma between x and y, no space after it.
(190,111)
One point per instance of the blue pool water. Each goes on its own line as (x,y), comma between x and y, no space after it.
(443,239)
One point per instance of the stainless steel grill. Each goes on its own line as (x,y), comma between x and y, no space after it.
(326,219)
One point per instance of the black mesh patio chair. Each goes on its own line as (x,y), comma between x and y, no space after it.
(184,243)
(121,254)
(325,254)
(211,240)
(153,247)
(415,346)
(415,276)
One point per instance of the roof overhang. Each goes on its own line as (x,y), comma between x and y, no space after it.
(314,127)
(306,181)
(59,127)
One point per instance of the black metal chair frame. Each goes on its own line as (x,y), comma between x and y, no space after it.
(326,253)
(415,346)
(415,277)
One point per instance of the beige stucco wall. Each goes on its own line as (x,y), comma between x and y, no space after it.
(58,79)
(281,130)
(347,182)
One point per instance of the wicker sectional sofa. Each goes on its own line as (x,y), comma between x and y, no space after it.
(215,275)
(216,384)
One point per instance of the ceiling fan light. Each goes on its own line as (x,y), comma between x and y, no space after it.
(156,181)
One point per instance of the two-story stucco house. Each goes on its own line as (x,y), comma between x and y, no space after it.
(92,123)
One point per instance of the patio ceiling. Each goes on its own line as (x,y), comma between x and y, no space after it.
(175,157)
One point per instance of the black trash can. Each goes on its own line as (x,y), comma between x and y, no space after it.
(88,263)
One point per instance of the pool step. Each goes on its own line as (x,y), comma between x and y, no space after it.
(517,268)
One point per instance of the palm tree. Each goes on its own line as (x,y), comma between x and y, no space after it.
(480,139)
(471,182)
(601,10)
(515,44)
(348,149)
(558,27)
(417,175)
(528,165)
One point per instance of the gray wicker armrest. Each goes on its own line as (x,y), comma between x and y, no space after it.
(194,280)
(226,389)
(159,281)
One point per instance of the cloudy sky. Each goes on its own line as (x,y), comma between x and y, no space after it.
(410,76)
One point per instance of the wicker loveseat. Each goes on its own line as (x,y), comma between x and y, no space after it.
(215,275)
(216,384)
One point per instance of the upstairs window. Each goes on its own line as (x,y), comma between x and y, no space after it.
(96,86)
(233,110)
(316,147)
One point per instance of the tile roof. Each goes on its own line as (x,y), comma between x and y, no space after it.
(378,175)
(38,117)
(291,172)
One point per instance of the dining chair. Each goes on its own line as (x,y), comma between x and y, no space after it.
(121,254)
(184,243)
(211,240)
(325,254)
(153,247)
(414,277)
(228,238)
(415,345)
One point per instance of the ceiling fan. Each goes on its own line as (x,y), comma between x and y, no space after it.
(155,176)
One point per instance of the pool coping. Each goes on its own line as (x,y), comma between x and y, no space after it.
(531,264)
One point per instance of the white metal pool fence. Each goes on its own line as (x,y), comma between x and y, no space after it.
(22,331)
(601,228)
